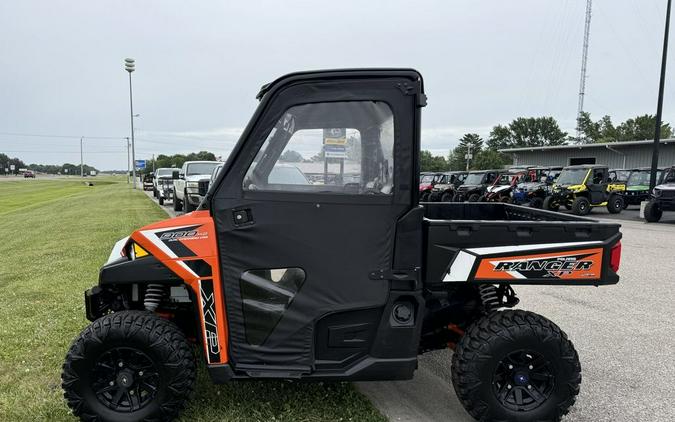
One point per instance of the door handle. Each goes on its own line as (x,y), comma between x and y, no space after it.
(242,217)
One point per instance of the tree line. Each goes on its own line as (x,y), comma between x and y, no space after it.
(67,168)
(537,132)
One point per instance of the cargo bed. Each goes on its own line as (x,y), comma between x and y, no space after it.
(496,243)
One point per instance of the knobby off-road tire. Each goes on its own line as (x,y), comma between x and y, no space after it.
(446,197)
(424,196)
(536,202)
(550,204)
(161,200)
(458,197)
(653,212)
(615,204)
(474,197)
(129,366)
(581,206)
(481,373)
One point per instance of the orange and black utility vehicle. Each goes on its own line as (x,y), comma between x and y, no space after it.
(352,279)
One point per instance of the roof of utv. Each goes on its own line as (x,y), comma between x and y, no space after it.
(587,166)
(329,74)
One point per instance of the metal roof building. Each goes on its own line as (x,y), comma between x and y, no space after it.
(628,154)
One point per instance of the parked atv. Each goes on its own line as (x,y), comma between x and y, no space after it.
(427,183)
(344,281)
(584,186)
(446,187)
(501,190)
(663,197)
(535,191)
(475,185)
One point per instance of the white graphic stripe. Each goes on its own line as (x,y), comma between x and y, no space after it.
(461,267)
(154,239)
(520,248)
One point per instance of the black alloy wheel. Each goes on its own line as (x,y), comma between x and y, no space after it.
(523,380)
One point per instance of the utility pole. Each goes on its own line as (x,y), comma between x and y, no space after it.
(81,158)
(659,105)
(153,163)
(584,58)
(468,156)
(128,159)
(130,66)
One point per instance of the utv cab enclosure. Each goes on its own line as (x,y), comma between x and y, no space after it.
(350,280)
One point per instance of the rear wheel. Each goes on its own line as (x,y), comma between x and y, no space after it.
(550,204)
(424,196)
(161,200)
(581,206)
(516,366)
(653,212)
(536,202)
(615,204)
(474,197)
(128,366)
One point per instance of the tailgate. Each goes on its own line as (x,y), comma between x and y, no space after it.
(570,251)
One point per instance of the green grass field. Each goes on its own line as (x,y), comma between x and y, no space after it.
(54,236)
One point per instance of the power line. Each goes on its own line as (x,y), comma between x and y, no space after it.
(43,135)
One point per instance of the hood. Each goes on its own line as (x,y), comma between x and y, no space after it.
(468,187)
(528,186)
(498,188)
(666,186)
(425,186)
(197,177)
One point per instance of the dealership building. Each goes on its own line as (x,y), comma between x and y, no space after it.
(628,154)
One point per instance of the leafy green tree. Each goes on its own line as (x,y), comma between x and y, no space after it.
(634,129)
(430,162)
(291,156)
(527,132)
(489,159)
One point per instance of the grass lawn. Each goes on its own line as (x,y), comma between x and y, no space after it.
(54,236)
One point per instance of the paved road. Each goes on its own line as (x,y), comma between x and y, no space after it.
(624,335)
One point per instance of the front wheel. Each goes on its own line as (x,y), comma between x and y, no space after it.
(458,197)
(581,206)
(516,366)
(129,366)
(536,202)
(550,204)
(474,197)
(446,197)
(177,204)
(161,200)
(653,212)
(424,196)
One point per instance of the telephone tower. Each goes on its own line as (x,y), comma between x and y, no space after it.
(584,58)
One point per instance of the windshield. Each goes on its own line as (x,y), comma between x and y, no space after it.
(200,168)
(427,178)
(572,176)
(622,174)
(164,172)
(474,179)
(287,176)
(641,178)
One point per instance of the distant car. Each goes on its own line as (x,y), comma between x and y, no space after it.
(148,182)
(281,175)
(164,172)
(28,174)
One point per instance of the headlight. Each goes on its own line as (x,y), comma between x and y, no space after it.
(657,192)
(135,251)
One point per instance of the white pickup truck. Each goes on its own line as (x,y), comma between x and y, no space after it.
(186,185)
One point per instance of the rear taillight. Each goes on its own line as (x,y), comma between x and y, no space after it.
(615,257)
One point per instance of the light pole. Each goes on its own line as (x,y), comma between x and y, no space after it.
(81,158)
(659,104)
(128,159)
(130,66)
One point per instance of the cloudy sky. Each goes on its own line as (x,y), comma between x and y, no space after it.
(200,64)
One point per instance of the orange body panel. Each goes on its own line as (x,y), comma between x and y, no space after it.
(181,244)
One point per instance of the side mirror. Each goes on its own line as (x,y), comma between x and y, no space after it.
(174,174)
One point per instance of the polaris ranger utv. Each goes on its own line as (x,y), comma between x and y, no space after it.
(340,281)
(584,186)
(446,187)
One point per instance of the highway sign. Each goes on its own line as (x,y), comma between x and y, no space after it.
(140,164)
